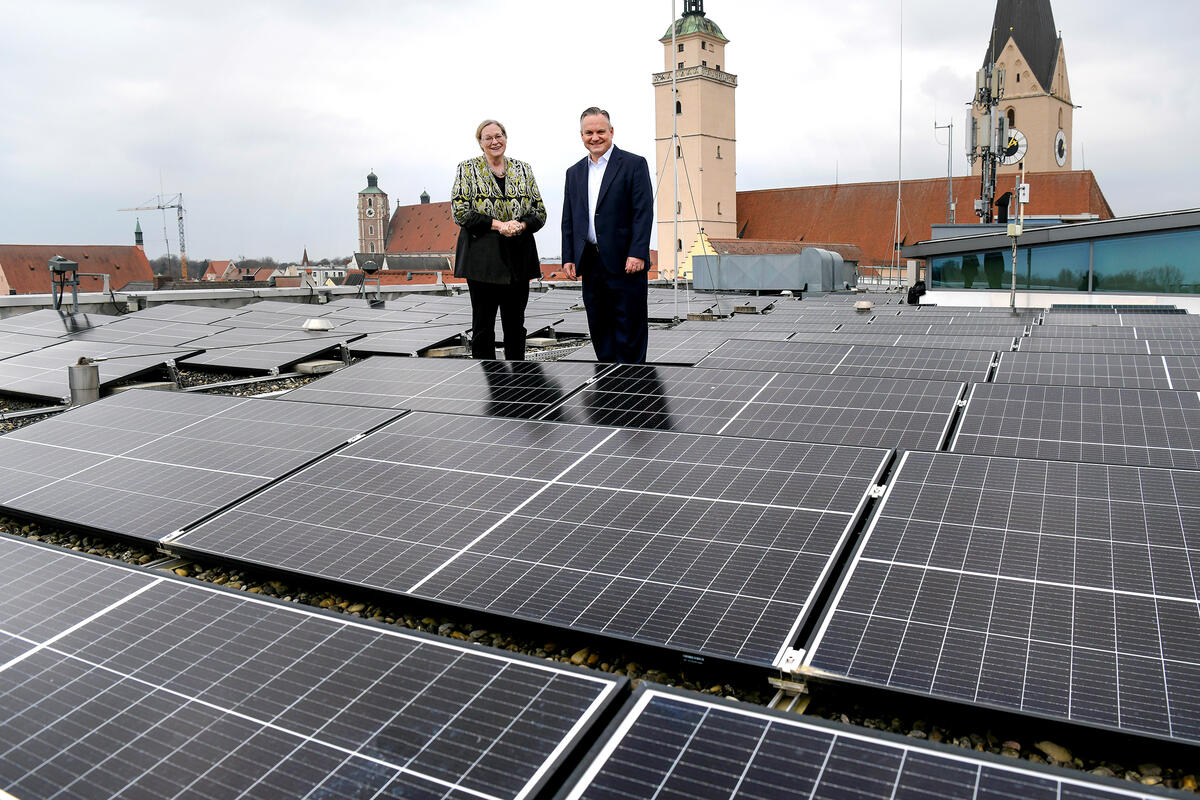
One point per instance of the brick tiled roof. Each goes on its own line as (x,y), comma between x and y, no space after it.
(422,228)
(862,214)
(216,270)
(25,271)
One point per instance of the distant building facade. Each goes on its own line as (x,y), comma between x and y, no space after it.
(24,270)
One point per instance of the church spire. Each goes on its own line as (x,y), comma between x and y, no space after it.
(1030,23)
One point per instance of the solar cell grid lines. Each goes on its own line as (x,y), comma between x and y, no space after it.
(1184,371)
(686,347)
(869,412)
(464,386)
(833,359)
(1113,426)
(1046,344)
(152,687)
(13,344)
(1006,329)
(411,342)
(1173,347)
(146,331)
(178,312)
(1056,589)
(1084,369)
(142,464)
(671,745)
(710,545)
(1077,331)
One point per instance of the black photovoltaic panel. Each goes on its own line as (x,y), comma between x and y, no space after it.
(254,320)
(43,373)
(1005,329)
(1068,423)
(684,347)
(46,322)
(462,386)
(410,342)
(121,683)
(143,464)
(1083,369)
(986,343)
(14,344)
(710,545)
(1077,331)
(262,349)
(1045,344)
(178,312)
(734,328)
(869,412)
(1173,347)
(572,323)
(1082,318)
(1189,333)
(146,331)
(675,745)
(1184,371)
(924,363)
(303,310)
(1053,588)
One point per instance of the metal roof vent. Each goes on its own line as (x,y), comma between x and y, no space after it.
(318,325)
(863,305)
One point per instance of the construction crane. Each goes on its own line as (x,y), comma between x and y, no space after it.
(176,203)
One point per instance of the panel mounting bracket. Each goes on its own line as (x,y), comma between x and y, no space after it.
(790,664)
(877,491)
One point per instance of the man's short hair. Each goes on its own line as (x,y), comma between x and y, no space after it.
(595,111)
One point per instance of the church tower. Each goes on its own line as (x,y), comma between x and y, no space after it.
(1037,98)
(373,217)
(702,111)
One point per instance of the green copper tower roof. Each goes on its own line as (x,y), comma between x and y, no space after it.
(372,184)
(694,21)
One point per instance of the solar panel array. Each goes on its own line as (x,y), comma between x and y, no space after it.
(708,545)
(122,683)
(690,746)
(42,373)
(143,464)
(1063,590)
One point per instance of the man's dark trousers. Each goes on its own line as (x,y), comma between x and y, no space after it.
(616,310)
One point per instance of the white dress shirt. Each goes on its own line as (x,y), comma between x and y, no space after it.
(595,178)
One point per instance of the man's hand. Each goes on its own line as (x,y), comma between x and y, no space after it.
(569,268)
(633,265)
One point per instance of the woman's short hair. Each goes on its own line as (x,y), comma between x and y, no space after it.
(485,123)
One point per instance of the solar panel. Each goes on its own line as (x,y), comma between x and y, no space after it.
(129,684)
(42,373)
(262,349)
(925,363)
(684,347)
(986,343)
(675,745)
(1078,331)
(1051,588)
(1005,329)
(713,546)
(1045,344)
(410,342)
(178,312)
(1183,332)
(142,464)
(1068,423)
(1083,369)
(734,328)
(46,322)
(12,344)
(463,386)
(1184,371)
(146,331)
(1173,347)
(870,412)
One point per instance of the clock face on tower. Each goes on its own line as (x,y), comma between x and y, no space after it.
(370,212)
(1060,148)
(1014,148)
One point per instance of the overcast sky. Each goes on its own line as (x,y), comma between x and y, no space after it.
(268,114)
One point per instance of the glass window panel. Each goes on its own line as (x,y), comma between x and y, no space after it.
(1160,262)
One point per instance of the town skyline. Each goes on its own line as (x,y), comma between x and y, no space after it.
(267,116)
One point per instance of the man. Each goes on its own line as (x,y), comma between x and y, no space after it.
(607,217)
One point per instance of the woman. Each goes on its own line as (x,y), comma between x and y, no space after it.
(498,207)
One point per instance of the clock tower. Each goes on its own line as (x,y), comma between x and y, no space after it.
(373,217)
(1036,97)
(701,112)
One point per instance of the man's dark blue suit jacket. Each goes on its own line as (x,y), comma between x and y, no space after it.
(624,212)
